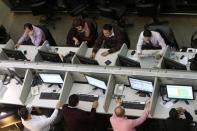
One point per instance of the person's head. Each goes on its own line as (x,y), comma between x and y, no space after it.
(78,24)
(174,114)
(28,27)
(119,111)
(73,100)
(24,113)
(147,36)
(107,30)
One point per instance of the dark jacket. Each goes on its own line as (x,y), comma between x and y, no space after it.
(78,120)
(113,43)
(74,33)
(179,124)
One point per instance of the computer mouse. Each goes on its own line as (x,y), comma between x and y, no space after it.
(182,57)
(133,52)
(25,52)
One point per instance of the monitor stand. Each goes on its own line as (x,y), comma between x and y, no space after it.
(59,85)
(143,94)
(179,100)
(95,88)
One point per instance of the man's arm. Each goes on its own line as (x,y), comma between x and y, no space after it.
(161,43)
(140,43)
(188,116)
(23,38)
(98,43)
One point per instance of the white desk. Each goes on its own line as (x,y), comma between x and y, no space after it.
(12,93)
(45,103)
(129,95)
(31,51)
(101,59)
(65,50)
(162,111)
(147,61)
(87,89)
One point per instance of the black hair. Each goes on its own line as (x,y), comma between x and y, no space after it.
(23,112)
(29,26)
(73,100)
(107,27)
(78,22)
(147,33)
(173,114)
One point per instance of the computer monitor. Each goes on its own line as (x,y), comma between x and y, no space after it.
(141,85)
(49,56)
(51,78)
(85,60)
(180,92)
(16,54)
(126,62)
(171,64)
(96,82)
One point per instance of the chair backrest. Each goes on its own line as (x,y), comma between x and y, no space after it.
(166,33)
(126,37)
(48,35)
(194,40)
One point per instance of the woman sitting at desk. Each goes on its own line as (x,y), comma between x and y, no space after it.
(82,30)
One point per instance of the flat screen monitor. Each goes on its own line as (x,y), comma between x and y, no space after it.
(180,92)
(16,54)
(126,62)
(141,85)
(96,82)
(49,56)
(51,78)
(85,60)
(171,64)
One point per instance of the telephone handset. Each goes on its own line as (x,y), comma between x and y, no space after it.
(163,92)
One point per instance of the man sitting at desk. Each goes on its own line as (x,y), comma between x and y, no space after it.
(32,36)
(77,119)
(82,30)
(150,40)
(120,122)
(175,123)
(111,38)
(37,123)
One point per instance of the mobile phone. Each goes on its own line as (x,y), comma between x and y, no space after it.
(107,62)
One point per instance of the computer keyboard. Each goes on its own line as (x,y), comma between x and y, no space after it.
(89,98)
(51,96)
(133,105)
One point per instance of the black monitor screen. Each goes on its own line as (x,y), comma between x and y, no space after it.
(49,56)
(16,54)
(85,60)
(126,62)
(171,64)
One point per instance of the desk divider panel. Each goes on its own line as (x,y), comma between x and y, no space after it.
(26,85)
(10,44)
(81,51)
(166,53)
(45,47)
(155,95)
(68,83)
(109,92)
(123,52)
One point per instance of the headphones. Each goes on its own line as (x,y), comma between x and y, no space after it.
(194,40)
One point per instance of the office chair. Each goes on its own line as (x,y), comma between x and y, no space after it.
(4,36)
(42,7)
(115,11)
(149,9)
(48,35)
(194,40)
(167,34)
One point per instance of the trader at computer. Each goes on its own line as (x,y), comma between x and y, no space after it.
(32,36)
(111,37)
(150,40)
(77,119)
(82,30)
(120,122)
(37,122)
(175,123)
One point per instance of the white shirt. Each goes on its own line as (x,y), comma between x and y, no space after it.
(156,41)
(40,123)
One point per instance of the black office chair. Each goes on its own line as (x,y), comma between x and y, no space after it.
(149,9)
(42,7)
(4,36)
(48,35)
(115,11)
(167,34)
